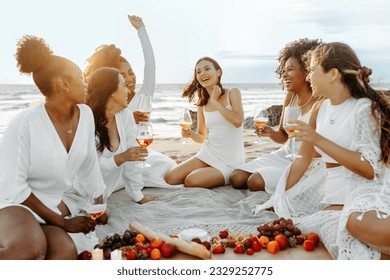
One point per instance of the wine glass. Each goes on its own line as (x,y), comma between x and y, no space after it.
(145,105)
(185,122)
(144,139)
(95,207)
(260,119)
(291,113)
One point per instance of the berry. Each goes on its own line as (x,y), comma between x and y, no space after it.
(206,244)
(239,248)
(218,249)
(223,234)
(300,240)
(250,251)
(132,255)
(85,255)
(196,240)
(256,246)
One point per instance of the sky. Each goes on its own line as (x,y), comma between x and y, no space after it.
(244,36)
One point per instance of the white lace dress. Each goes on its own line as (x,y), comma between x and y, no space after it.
(304,202)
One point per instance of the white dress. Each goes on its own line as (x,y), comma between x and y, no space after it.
(34,160)
(128,176)
(272,166)
(313,192)
(224,148)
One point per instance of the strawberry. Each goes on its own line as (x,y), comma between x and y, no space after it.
(132,255)
(256,246)
(250,251)
(223,234)
(218,249)
(85,255)
(239,248)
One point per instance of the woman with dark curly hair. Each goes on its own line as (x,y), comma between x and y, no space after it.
(43,152)
(263,173)
(220,113)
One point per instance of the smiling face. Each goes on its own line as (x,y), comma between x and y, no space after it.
(294,77)
(319,80)
(129,77)
(120,96)
(206,74)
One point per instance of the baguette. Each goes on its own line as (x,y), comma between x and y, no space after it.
(188,247)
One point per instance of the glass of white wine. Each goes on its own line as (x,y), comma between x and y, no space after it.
(144,139)
(260,119)
(291,113)
(185,122)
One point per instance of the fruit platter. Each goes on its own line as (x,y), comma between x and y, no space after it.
(278,239)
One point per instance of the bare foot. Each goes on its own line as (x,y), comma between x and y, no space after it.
(148,198)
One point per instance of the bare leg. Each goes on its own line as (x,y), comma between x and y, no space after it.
(239,178)
(21,236)
(371,230)
(206,177)
(256,182)
(178,174)
(60,245)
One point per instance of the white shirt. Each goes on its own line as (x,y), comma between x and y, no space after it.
(34,160)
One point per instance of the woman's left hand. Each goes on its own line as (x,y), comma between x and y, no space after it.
(216,94)
(305,132)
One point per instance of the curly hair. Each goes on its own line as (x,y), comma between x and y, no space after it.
(104,56)
(102,83)
(296,49)
(357,78)
(202,95)
(34,56)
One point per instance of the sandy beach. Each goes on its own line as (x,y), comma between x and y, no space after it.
(173,147)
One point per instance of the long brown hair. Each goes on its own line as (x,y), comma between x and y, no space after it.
(101,84)
(357,78)
(202,94)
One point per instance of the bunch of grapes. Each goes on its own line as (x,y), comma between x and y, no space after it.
(116,241)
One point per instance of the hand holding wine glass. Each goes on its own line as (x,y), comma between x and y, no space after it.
(260,119)
(95,208)
(144,139)
(144,109)
(291,113)
(185,123)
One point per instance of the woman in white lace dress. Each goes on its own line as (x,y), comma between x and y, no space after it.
(346,129)
(220,118)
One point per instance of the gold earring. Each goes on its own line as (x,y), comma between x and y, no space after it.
(66,90)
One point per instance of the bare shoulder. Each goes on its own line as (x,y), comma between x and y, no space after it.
(233,91)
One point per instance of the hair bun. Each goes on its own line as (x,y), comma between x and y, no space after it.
(32,54)
(365,73)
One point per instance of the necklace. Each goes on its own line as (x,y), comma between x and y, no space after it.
(301,106)
(339,108)
(70,130)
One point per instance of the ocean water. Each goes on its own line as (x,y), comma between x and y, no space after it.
(168,104)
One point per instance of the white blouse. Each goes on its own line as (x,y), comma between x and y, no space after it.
(34,160)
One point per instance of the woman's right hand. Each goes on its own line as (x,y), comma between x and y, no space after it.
(136,154)
(264,131)
(186,132)
(79,224)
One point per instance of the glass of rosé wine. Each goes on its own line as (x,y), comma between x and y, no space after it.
(260,119)
(95,207)
(185,122)
(145,105)
(144,139)
(291,113)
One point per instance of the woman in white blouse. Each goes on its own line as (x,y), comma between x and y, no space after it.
(42,152)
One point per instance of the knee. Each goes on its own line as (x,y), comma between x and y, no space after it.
(256,182)
(238,179)
(171,178)
(191,181)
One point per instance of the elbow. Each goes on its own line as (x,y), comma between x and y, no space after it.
(237,124)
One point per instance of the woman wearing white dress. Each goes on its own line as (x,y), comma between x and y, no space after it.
(220,113)
(116,138)
(263,173)
(350,129)
(42,152)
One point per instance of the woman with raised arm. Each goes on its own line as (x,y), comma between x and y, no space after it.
(263,173)
(220,113)
(44,150)
(110,56)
